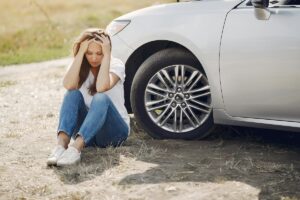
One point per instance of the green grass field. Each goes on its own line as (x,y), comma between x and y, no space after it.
(37,30)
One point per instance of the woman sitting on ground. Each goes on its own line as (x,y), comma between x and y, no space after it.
(93,111)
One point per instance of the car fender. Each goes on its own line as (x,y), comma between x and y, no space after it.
(196,25)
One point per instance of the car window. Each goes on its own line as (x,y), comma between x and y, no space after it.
(293,2)
(279,2)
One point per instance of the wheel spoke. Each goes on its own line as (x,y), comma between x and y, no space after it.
(168,116)
(200,103)
(155,93)
(191,78)
(150,103)
(162,80)
(157,107)
(198,108)
(153,86)
(165,73)
(197,79)
(193,114)
(190,120)
(176,75)
(182,75)
(175,120)
(199,89)
(163,113)
(180,120)
(199,95)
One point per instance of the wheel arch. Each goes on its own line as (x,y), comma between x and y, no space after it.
(140,55)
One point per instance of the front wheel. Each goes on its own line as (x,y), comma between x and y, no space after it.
(170,96)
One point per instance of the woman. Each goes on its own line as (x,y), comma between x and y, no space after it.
(93,111)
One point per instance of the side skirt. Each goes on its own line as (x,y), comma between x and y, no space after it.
(221,117)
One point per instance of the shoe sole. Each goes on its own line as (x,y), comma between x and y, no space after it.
(65,165)
(51,163)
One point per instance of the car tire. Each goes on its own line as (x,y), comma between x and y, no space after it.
(171,121)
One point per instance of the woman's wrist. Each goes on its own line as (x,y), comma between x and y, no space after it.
(106,54)
(81,51)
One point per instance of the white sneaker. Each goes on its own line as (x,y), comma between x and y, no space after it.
(55,155)
(70,157)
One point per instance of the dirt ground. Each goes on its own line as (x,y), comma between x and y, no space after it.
(234,163)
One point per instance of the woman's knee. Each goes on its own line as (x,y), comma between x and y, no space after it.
(73,93)
(73,96)
(100,98)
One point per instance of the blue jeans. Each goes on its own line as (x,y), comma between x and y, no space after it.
(101,125)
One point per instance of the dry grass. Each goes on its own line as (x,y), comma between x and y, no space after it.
(36,30)
(13,135)
(7,83)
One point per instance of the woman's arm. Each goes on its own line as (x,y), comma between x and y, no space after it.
(71,78)
(105,79)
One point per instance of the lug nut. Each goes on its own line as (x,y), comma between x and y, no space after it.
(186,96)
(171,95)
(178,89)
(173,104)
(183,104)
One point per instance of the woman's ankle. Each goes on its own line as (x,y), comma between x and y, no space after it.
(78,143)
(63,139)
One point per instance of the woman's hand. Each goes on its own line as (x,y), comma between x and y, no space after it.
(105,44)
(84,46)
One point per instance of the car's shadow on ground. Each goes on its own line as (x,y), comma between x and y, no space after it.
(265,159)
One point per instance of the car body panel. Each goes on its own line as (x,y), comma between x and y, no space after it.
(260,65)
(120,48)
(204,44)
(221,117)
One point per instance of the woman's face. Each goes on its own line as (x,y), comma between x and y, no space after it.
(94,54)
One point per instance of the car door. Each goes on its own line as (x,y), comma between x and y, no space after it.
(260,63)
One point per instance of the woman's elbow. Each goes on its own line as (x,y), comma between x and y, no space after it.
(69,86)
(102,89)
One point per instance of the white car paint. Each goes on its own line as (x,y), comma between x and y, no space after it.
(198,26)
(260,65)
(160,23)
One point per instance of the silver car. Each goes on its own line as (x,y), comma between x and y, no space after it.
(190,65)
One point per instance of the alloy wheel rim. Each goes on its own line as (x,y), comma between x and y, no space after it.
(178,98)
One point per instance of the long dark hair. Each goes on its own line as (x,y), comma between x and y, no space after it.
(85,65)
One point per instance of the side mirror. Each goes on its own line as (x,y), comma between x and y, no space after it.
(261,9)
(260,3)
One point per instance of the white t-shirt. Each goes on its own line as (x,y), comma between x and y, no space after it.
(116,94)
